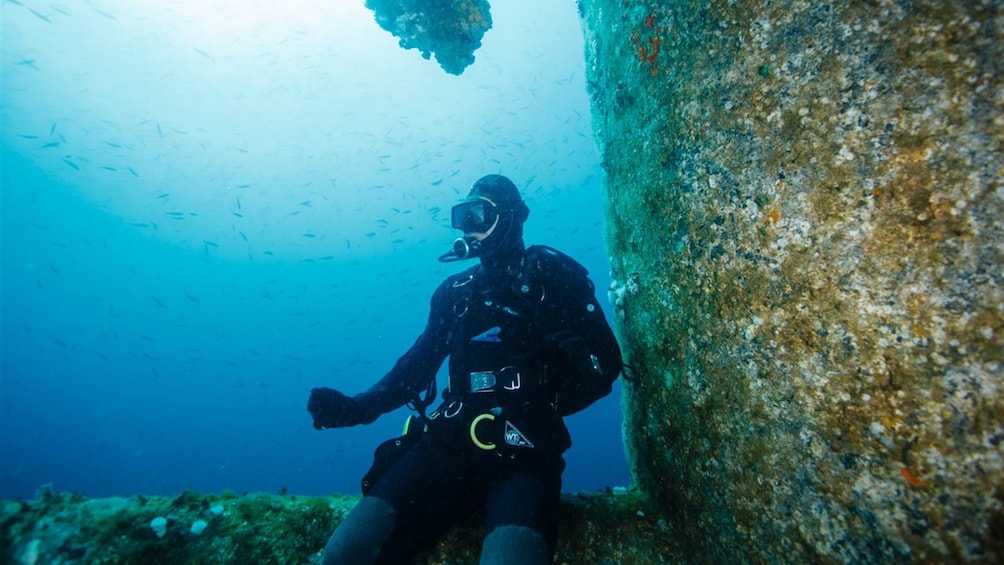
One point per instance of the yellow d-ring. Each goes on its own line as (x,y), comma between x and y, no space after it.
(474,435)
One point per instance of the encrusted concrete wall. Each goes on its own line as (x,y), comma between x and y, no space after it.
(805,223)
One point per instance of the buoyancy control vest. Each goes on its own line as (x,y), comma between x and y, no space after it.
(501,366)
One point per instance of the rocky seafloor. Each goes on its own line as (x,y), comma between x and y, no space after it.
(64,528)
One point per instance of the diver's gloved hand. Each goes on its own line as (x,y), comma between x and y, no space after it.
(332,409)
(577,350)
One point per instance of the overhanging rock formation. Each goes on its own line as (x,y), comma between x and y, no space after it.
(450,30)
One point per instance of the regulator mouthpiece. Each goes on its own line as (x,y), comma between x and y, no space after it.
(463,248)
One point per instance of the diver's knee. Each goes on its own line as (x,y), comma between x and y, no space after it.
(516,545)
(359,538)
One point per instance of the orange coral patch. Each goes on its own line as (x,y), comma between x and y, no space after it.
(914,480)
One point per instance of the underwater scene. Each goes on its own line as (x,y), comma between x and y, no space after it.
(211,208)
(790,213)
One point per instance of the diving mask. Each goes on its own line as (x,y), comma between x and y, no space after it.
(475,215)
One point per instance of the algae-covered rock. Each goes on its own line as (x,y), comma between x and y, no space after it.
(258,528)
(449,29)
(804,215)
(265,528)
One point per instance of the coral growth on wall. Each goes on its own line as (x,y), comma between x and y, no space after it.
(804,222)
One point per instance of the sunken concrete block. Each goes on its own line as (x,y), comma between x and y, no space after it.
(805,218)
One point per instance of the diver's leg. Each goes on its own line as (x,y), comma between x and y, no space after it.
(358,539)
(416,501)
(521,515)
(515,545)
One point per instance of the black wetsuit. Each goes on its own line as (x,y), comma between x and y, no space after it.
(528,344)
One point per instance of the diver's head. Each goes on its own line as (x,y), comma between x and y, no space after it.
(491,218)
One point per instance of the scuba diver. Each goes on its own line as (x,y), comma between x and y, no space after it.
(528,344)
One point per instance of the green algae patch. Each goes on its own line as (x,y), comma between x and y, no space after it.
(268,528)
(188,528)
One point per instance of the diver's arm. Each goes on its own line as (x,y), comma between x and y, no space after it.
(583,356)
(409,376)
(415,369)
(595,360)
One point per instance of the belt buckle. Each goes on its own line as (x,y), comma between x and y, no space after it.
(482,381)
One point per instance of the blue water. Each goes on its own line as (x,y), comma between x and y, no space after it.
(209,210)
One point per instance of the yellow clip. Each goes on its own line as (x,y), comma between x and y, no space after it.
(474,435)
